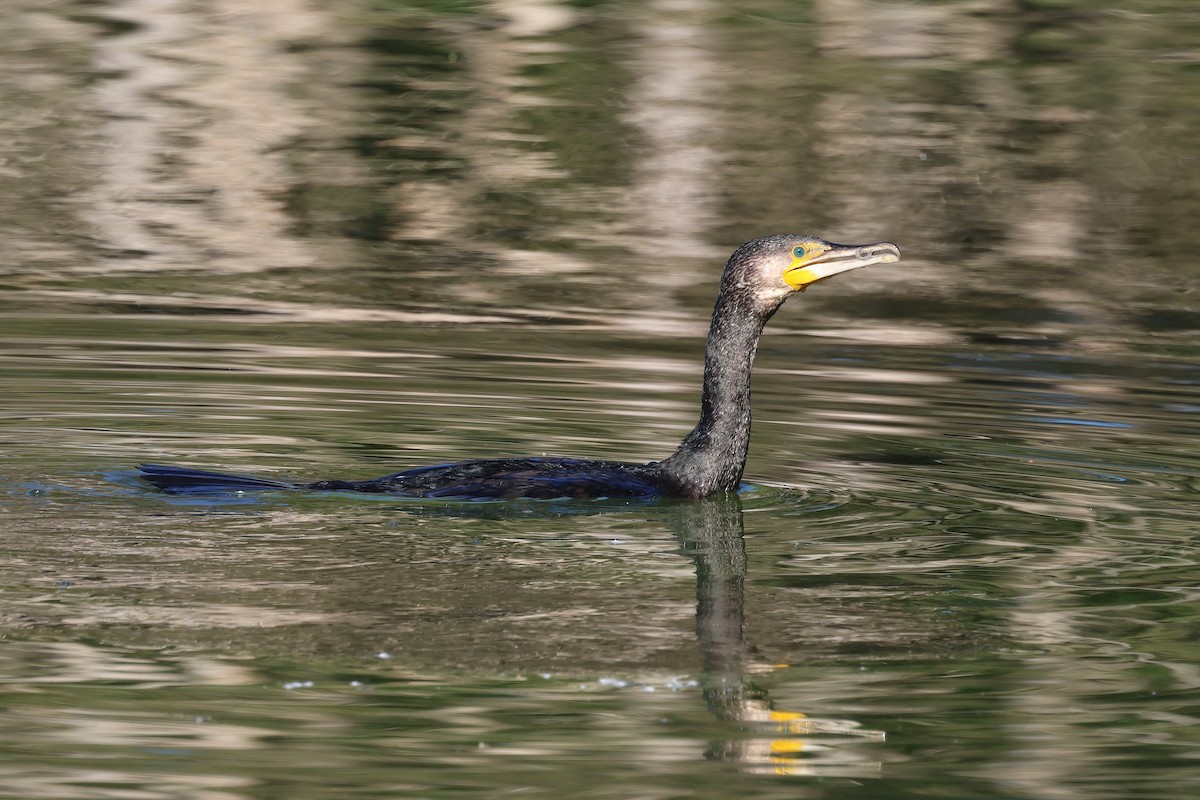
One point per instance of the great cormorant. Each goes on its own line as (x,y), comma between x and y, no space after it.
(758,277)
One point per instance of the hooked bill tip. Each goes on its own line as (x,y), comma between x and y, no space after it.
(884,252)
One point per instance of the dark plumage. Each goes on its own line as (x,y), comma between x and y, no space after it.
(758,277)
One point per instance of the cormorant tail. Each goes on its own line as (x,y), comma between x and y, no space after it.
(184,480)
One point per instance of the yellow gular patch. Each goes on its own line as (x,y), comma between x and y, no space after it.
(797,275)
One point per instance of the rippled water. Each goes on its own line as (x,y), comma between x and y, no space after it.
(302,240)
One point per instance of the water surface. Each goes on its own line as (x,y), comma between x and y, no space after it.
(299,240)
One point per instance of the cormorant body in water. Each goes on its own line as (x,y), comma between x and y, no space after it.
(758,277)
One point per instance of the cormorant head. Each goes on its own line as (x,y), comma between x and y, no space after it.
(774,267)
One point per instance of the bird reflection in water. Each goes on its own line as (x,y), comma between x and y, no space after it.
(765,739)
(776,741)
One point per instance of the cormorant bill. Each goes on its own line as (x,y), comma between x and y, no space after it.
(758,277)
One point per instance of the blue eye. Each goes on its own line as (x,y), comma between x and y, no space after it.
(799,251)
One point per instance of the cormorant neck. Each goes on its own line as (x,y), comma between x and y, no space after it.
(711,458)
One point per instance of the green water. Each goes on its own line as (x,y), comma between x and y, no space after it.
(337,240)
